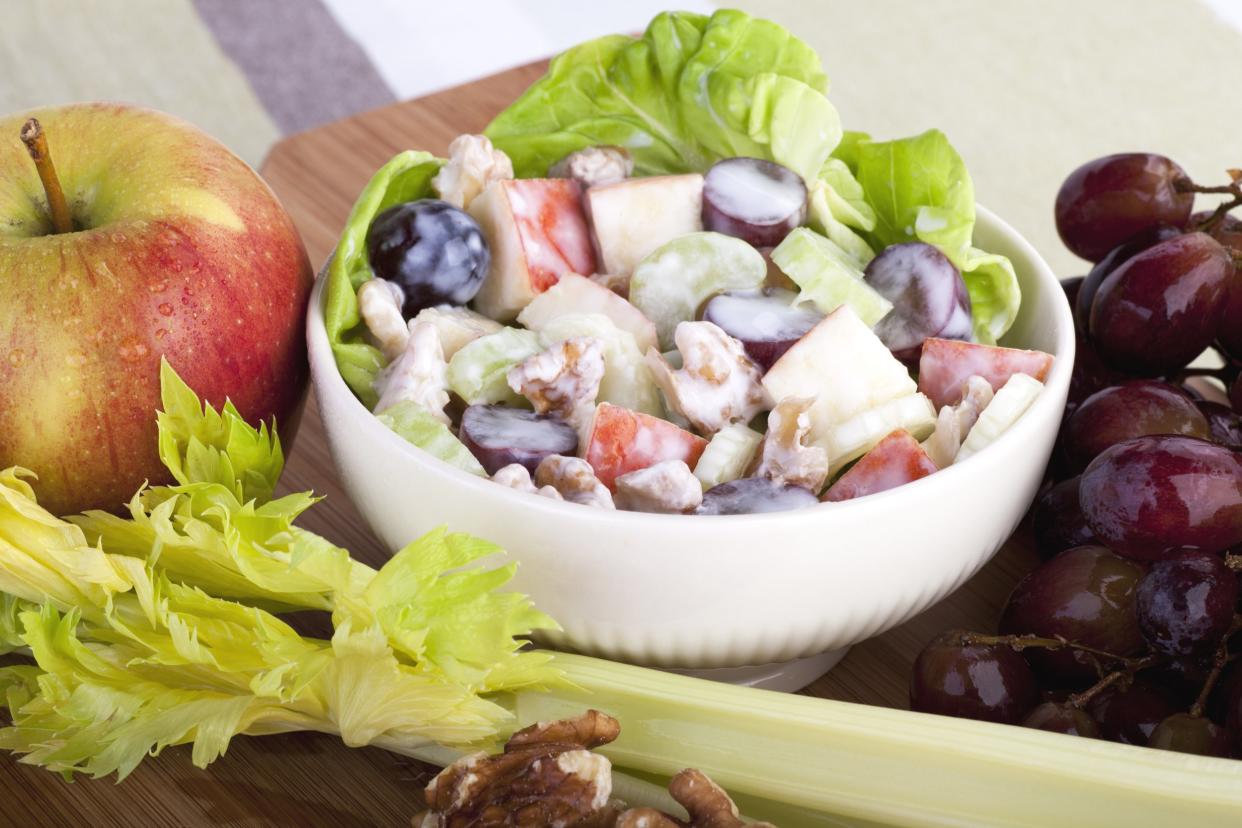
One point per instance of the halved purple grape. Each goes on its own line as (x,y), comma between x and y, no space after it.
(766,323)
(754,495)
(755,200)
(928,294)
(499,436)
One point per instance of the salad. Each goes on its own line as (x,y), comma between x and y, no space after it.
(666,280)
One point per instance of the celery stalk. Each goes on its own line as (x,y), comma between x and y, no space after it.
(883,765)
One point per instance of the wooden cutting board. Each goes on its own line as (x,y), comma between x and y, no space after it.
(309,780)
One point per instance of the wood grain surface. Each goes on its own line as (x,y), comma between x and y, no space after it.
(309,780)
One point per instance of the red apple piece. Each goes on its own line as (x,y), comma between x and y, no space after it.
(895,460)
(946,364)
(176,249)
(537,232)
(623,441)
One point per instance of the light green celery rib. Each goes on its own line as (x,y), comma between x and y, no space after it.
(883,765)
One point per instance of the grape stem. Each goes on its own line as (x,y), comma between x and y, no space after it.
(1222,658)
(1081,700)
(1233,188)
(1022,642)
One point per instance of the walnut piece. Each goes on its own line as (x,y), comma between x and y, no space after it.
(458,327)
(595,166)
(516,476)
(379,303)
(717,383)
(547,776)
(954,422)
(473,163)
(574,478)
(419,375)
(785,456)
(563,380)
(668,487)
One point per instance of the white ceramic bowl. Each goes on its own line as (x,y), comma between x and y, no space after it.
(711,592)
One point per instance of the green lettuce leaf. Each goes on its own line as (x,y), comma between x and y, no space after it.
(418,427)
(920,190)
(690,91)
(405,178)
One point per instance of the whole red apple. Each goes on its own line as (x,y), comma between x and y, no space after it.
(176,248)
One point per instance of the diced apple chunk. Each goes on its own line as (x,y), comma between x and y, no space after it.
(623,441)
(537,232)
(575,294)
(895,460)
(947,364)
(632,218)
(844,367)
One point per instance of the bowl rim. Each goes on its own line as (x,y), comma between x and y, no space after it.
(1046,405)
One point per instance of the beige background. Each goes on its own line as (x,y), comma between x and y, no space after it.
(1029,90)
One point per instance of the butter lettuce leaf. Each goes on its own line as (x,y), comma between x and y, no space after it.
(919,189)
(405,178)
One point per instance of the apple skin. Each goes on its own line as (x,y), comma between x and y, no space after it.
(183,252)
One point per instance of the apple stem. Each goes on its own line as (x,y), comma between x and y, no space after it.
(33,137)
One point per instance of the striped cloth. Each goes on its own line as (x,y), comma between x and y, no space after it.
(1026,91)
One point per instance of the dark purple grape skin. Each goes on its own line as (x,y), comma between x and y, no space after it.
(1123,412)
(1185,733)
(1229,234)
(1183,676)
(766,323)
(989,682)
(1111,199)
(1235,394)
(1115,258)
(1161,308)
(1148,497)
(1062,717)
(1085,595)
(1130,715)
(499,436)
(1224,424)
(1057,520)
(1186,604)
(754,495)
(929,298)
(737,200)
(435,252)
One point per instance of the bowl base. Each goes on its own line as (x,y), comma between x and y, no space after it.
(782,676)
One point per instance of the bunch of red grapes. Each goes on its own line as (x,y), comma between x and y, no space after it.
(1127,630)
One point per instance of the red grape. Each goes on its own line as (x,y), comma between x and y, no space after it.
(928,294)
(1229,234)
(1130,715)
(1185,604)
(1057,520)
(1085,595)
(990,682)
(1235,394)
(1162,307)
(1109,200)
(1224,424)
(1150,495)
(499,436)
(1062,717)
(755,200)
(1124,412)
(1115,258)
(1185,733)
